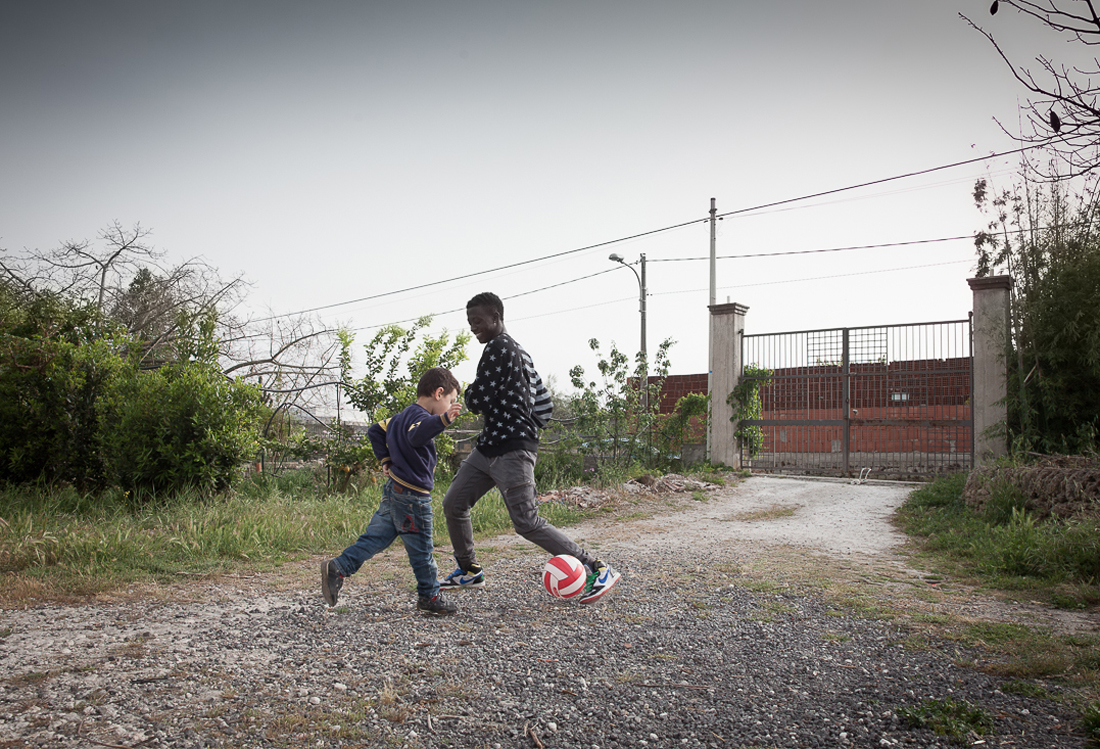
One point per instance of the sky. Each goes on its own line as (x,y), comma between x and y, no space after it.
(338,154)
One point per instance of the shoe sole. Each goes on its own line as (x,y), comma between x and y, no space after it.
(326,592)
(603,592)
(425,612)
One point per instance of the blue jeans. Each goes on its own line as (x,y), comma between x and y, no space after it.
(405,514)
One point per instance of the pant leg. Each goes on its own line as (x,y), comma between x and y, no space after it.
(380,533)
(471,482)
(514,475)
(413,522)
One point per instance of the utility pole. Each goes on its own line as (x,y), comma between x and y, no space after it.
(710,332)
(616,258)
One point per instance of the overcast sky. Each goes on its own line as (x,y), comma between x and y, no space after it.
(332,151)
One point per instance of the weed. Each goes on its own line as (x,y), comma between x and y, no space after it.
(955,719)
(1025,688)
(1090,721)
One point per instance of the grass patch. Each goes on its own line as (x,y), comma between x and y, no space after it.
(61,544)
(955,719)
(1006,550)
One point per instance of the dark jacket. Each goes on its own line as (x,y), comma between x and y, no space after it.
(406,443)
(509,393)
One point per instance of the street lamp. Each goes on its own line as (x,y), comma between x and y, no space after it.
(616,258)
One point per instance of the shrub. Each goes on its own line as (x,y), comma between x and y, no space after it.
(183,425)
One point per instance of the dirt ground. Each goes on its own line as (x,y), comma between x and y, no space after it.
(826,532)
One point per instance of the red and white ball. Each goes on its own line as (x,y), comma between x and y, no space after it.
(564,576)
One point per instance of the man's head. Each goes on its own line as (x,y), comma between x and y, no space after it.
(437,390)
(485,313)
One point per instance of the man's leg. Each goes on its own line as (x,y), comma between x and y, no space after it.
(470,484)
(514,475)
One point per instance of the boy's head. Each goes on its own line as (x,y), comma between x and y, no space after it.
(437,390)
(485,313)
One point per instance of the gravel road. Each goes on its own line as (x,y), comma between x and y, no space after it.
(698,647)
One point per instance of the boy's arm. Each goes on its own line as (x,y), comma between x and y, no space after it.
(377,436)
(427,429)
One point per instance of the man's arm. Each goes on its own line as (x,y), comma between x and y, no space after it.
(490,372)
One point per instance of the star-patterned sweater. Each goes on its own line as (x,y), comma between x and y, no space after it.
(510,395)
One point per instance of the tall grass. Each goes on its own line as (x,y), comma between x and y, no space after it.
(75,544)
(1005,546)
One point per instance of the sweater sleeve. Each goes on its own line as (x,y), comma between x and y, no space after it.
(482,392)
(377,436)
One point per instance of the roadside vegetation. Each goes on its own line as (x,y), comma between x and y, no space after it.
(1009,553)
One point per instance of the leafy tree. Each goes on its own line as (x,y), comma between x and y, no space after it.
(394,367)
(128,282)
(1047,239)
(77,404)
(611,414)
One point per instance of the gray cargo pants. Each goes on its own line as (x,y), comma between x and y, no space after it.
(513,474)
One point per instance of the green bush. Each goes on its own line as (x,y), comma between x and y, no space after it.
(55,360)
(183,425)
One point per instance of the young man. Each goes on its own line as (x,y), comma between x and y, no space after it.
(509,394)
(405,444)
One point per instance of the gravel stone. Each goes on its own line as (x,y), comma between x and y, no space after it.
(684,653)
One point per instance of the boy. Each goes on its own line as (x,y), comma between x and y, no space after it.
(509,393)
(405,444)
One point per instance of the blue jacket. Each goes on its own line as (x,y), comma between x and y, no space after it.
(406,443)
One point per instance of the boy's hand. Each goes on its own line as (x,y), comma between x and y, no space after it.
(454,411)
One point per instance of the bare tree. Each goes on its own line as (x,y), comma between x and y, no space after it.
(129,283)
(1062,110)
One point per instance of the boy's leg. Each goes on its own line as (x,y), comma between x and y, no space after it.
(470,484)
(413,522)
(514,475)
(380,533)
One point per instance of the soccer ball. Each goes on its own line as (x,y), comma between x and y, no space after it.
(564,576)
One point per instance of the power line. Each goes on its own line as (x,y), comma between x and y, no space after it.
(811,252)
(650,232)
(877,181)
(639,235)
(490,270)
(820,278)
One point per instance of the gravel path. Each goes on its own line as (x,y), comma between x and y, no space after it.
(694,649)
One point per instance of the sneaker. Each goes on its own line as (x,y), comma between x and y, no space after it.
(599,582)
(331,581)
(460,579)
(437,606)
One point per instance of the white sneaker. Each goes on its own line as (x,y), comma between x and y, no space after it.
(602,580)
(460,579)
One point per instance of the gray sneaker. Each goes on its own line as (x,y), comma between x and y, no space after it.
(331,581)
(438,606)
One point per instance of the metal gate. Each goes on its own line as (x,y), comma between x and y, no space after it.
(883,402)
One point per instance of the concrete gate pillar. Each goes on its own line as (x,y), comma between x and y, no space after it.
(727,324)
(991,345)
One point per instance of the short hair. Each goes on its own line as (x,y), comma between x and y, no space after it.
(487,299)
(435,378)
